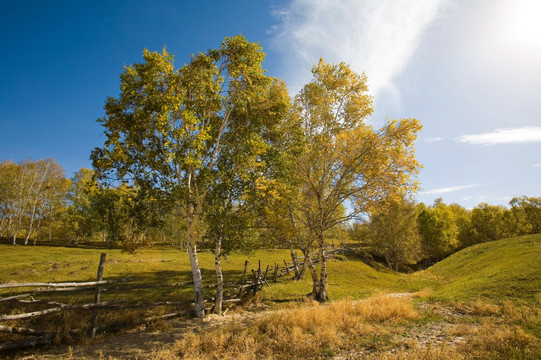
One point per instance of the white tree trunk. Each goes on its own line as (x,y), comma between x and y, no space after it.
(315,278)
(219,277)
(322,296)
(29,229)
(199,300)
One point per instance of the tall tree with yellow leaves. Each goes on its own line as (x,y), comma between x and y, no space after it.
(170,129)
(347,168)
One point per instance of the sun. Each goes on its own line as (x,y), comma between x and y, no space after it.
(521,25)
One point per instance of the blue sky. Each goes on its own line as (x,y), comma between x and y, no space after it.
(467,69)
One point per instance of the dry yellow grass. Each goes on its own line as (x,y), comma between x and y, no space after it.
(500,341)
(312,331)
(363,330)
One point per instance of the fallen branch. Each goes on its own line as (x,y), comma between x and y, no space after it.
(45,302)
(147,286)
(167,316)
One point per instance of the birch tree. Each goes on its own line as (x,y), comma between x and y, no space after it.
(169,128)
(47,195)
(348,167)
(8,194)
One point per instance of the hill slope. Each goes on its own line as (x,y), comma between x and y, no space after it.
(503,269)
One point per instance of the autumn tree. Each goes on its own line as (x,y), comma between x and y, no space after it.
(169,128)
(485,224)
(9,173)
(439,231)
(530,208)
(31,192)
(81,218)
(346,163)
(394,234)
(49,199)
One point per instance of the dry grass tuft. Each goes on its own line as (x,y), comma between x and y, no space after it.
(424,293)
(311,331)
(493,341)
(506,309)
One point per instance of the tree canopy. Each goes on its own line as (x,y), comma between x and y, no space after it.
(174,130)
(347,167)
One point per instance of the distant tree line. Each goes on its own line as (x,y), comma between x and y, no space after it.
(38,203)
(406,234)
(32,199)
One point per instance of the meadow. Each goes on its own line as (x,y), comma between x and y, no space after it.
(483,302)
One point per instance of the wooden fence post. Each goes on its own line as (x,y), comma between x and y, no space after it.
(97,296)
(287,267)
(243,278)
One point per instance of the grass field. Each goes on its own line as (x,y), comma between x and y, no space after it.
(494,285)
(501,270)
(507,269)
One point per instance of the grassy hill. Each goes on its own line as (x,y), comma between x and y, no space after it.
(506,269)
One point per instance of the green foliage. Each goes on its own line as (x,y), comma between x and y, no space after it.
(529,209)
(486,223)
(82,218)
(439,230)
(113,208)
(189,132)
(394,234)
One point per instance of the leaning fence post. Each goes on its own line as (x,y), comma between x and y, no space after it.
(287,267)
(97,296)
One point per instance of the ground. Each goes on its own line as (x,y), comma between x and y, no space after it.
(440,327)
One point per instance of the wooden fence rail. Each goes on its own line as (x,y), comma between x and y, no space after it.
(246,286)
(63,285)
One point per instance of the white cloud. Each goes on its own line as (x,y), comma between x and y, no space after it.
(504,136)
(448,189)
(537,165)
(433,139)
(377,37)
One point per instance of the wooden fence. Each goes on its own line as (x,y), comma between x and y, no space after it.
(248,285)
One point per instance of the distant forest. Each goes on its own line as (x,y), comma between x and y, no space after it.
(38,204)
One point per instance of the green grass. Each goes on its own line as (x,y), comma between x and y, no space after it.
(150,266)
(505,269)
(346,279)
(508,269)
